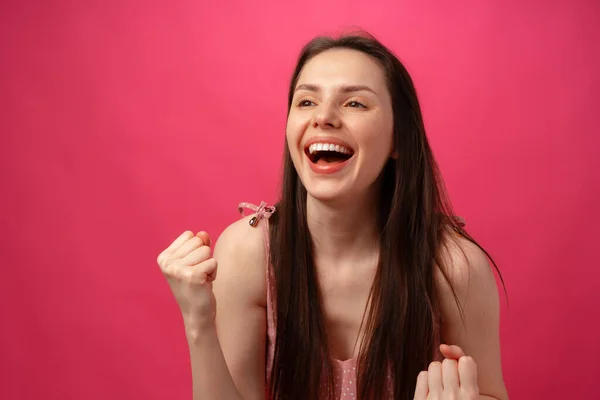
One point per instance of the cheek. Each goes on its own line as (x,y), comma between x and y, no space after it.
(380,140)
(291,137)
(386,138)
(293,132)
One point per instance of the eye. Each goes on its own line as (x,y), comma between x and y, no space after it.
(355,104)
(304,103)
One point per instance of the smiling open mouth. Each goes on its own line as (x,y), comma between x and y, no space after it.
(328,153)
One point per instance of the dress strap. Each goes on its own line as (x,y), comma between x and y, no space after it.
(265,211)
(261,211)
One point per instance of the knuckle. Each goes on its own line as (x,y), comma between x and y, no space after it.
(170,269)
(163,259)
(197,277)
(187,235)
(454,395)
(434,365)
(181,274)
(449,362)
(188,275)
(471,394)
(466,360)
(172,272)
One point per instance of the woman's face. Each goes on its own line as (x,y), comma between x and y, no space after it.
(340,125)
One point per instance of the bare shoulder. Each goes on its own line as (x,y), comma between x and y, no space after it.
(241,257)
(242,240)
(467,268)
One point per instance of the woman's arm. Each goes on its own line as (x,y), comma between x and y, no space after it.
(210,376)
(228,358)
(476,332)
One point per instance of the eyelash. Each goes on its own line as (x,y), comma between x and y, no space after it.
(357,104)
(300,103)
(360,105)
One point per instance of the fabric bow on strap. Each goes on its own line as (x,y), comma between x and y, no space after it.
(262,211)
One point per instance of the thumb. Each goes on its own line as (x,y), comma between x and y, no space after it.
(204,237)
(453,352)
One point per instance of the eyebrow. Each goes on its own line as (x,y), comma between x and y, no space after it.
(343,89)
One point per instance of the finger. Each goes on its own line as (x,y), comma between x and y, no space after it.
(421,389)
(204,272)
(204,236)
(467,371)
(177,243)
(210,267)
(450,379)
(196,256)
(173,247)
(453,352)
(434,378)
(189,246)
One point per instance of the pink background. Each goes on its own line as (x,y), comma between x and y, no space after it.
(126,122)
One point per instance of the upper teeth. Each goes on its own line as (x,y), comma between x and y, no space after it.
(327,147)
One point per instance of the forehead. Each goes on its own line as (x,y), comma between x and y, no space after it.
(343,67)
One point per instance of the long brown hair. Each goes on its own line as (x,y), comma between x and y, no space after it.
(402,321)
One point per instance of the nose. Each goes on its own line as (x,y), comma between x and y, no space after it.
(326,117)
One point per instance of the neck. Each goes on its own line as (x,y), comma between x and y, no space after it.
(343,231)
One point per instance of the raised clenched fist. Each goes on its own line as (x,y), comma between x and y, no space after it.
(189,268)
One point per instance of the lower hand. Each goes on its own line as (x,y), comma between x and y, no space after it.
(454,378)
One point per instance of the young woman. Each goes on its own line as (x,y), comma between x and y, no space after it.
(348,287)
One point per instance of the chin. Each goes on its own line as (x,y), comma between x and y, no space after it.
(328,192)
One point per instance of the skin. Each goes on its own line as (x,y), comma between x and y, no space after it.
(341,218)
